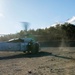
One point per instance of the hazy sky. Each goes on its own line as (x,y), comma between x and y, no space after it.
(39,13)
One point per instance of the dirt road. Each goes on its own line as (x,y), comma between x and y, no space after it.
(50,61)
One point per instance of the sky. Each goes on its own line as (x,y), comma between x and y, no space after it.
(38,13)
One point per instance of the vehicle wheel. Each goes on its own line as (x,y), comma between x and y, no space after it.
(27,52)
(24,51)
(35,49)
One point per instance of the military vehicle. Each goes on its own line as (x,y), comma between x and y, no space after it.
(27,45)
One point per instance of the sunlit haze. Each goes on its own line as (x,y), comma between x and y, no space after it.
(39,13)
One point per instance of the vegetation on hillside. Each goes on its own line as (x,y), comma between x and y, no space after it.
(65,31)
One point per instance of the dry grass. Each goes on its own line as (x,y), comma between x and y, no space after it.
(50,61)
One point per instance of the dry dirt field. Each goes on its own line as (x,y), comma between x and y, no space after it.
(49,61)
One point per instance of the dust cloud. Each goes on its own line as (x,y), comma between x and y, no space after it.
(63,45)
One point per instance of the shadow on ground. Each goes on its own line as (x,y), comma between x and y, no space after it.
(40,54)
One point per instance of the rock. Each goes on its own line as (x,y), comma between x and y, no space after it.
(29,72)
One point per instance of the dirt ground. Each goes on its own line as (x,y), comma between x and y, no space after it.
(49,61)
